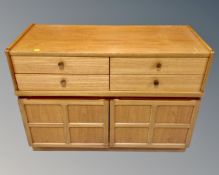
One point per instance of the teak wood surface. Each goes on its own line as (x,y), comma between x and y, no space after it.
(109,87)
(109,50)
(110,41)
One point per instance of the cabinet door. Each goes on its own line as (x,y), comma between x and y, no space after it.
(129,123)
(152,123)
(88,123)
(65,123)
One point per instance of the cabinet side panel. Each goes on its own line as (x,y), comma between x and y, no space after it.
(11,69)
(24,118)
(9,59)
(207,70)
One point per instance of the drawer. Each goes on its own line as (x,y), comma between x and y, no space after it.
(131,66)
(66,122)
(152,123)
(62,82)
(61,65)
(170,83)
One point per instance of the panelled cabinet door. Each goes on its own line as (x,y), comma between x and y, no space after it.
(152,123)
(129,123)
(66,123)
(88,123)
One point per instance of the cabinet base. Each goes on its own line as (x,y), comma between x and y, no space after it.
(111,149)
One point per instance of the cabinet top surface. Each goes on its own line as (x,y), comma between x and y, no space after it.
(102,40)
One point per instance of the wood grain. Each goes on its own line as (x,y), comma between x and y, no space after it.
(47,135)
(110,41)
(132,114)
(72,122)
(193,120)
(8,54)
(131,135)
(169,135)
(167,83)
(171,123)
(71,65)
(25,121)
(89,124)
(85,114)
(174,114)
(53,82)
(44,113)
(178,66)
(51,65)
(113,94)
(87,135)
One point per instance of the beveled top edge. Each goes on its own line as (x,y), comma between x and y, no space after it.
(155,55)
(9,49)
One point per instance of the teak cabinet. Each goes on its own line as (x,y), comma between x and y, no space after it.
(109,87)
(152,123)
(69,122)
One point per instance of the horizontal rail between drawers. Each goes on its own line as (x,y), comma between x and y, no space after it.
(109,93)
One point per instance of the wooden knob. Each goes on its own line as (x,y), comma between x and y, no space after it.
(156,82)
(158,65)
(61,65)
(63,83)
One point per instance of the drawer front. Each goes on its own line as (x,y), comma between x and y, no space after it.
(62,82)
(61,65)
(66,123)
(152,123)
(168,83)
(130,66)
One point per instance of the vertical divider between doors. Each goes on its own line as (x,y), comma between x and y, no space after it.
(66,123)
(106,122)
(152,123)
(112,127)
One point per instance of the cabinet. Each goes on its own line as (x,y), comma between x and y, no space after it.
(66,123)
(85,123)
(109,87)
(152,123)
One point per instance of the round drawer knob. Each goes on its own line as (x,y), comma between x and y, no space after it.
(156,83)
(158,65)
(63,83)
(61,65)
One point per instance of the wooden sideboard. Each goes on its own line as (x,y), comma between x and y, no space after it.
(109,87)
